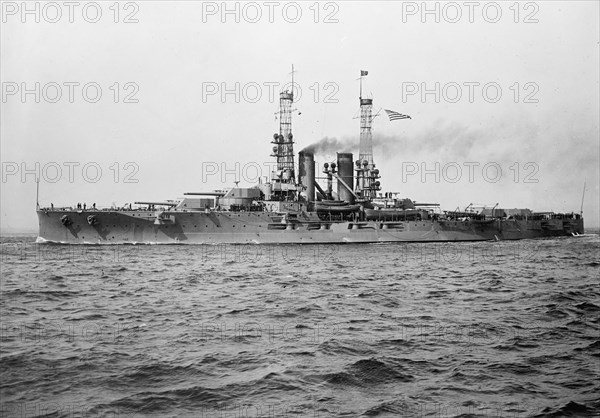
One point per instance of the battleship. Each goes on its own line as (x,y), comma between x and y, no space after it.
(293,207)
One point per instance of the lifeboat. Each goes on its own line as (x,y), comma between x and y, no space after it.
(393,214)
(335,206)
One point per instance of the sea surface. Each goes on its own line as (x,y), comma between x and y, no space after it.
(508,329)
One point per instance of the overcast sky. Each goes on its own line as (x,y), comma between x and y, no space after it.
(507,93)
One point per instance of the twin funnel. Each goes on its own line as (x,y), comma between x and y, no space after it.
(345,175)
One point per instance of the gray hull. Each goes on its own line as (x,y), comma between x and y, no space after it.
(199,227)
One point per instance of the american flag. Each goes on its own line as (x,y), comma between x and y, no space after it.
(395,115)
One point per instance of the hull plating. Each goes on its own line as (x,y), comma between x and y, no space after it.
(143,227)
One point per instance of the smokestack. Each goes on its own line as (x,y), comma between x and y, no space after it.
(306,173)
(346,172)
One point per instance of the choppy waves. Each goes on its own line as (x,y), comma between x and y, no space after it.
(470,329)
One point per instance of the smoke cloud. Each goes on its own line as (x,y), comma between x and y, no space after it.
(329,145)
(450,139)
(444,141)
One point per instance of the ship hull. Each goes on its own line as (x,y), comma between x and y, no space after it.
(200,227)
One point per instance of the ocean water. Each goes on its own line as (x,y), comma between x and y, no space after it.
(455,329)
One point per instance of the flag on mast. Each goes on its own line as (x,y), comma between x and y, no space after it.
(363,73)
(395,115)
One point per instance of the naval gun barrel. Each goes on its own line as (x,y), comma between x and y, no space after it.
(157,203)
(221,194)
